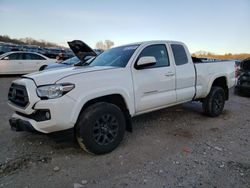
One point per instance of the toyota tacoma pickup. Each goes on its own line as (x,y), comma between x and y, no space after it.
(98,98)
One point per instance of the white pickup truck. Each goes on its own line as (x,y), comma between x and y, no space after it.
(98,98)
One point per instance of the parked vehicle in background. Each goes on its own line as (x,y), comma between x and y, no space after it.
(237,66)
(243,82)
(98,51)
(75,60)
(6,47)
(208,60)
(67,63)
(98,100)
(196,60)
(51,52)
(31,48)
(23,62)
(237,63)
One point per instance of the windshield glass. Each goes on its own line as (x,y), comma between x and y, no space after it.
(71,61)
(116,57)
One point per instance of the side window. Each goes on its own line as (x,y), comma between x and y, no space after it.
(16,56)
(158,51)
(31,56)
(28,56)
(38,57)
(180,55)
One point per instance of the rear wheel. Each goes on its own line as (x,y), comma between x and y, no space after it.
(42,67)
(100,128)
(213,104)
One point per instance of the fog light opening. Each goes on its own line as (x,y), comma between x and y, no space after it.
(47,115)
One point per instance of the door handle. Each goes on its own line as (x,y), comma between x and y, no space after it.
(169,74)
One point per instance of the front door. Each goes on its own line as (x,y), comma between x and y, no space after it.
(12,64)
(154,86)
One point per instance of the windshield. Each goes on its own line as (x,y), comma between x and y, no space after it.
(71,61)
(116,57)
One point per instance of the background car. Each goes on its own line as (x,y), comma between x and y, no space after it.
(98,51)
(243,83)
(23,62)
(85,56)
(67,63)
(70,62)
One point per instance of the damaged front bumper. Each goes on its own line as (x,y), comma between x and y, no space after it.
(21,125)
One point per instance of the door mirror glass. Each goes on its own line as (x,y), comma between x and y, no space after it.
(6,58)
(145,61)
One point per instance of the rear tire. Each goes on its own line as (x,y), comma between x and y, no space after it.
(213,104)
(42,67)
(100,128)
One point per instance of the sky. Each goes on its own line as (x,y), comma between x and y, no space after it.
(219,26)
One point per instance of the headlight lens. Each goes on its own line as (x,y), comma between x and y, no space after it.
(54,91)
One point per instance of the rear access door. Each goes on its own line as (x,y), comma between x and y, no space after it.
(185,72)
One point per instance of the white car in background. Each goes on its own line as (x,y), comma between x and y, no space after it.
(20,62)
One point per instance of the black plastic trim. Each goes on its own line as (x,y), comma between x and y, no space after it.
(21,125)
(38,115)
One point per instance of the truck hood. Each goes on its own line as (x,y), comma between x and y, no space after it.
(52,76)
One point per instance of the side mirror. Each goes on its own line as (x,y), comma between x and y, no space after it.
(145,62)
(6,58)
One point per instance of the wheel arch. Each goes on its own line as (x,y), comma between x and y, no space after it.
(116,99)
(223,83)
(42,67)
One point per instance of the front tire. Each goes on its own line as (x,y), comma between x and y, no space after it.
(100,128)
(213,104)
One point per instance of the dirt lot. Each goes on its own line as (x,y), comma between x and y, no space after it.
(175,147)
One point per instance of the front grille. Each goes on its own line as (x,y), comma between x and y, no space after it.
(18,95)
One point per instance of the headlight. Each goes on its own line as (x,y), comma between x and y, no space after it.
(54,91)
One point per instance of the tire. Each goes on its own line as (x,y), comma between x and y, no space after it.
(213,104)
(42,67)
(100,128)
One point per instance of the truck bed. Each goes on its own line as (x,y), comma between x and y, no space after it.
(208,71)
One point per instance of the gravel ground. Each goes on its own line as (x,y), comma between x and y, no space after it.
(174,147)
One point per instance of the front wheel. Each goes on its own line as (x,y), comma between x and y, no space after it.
(100,128)
(213,104)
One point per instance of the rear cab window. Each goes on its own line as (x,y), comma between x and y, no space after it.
(180,55)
